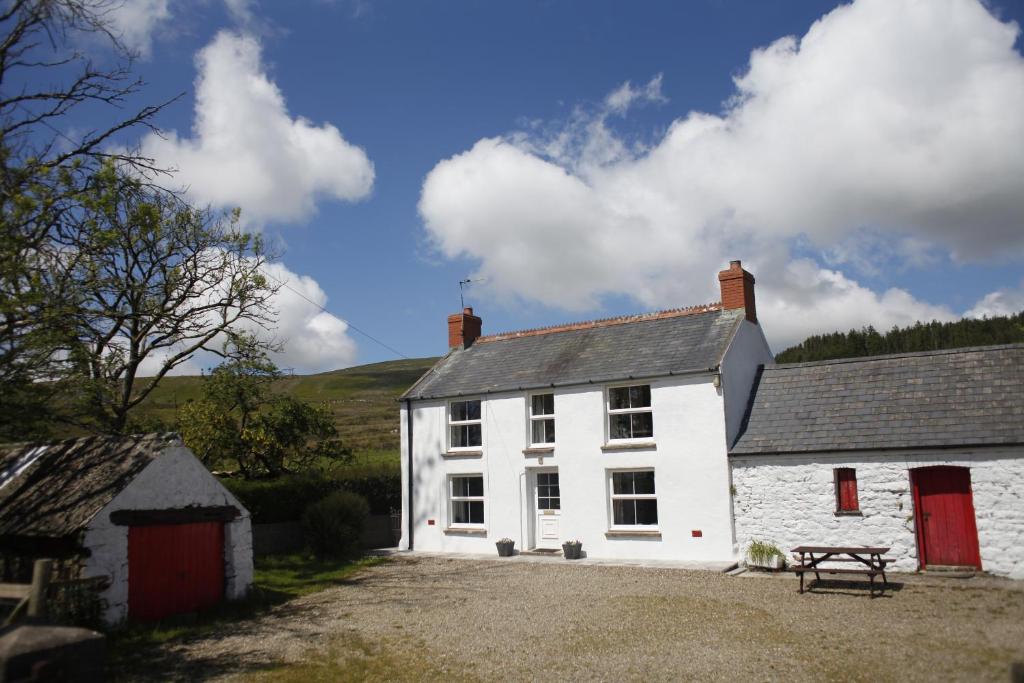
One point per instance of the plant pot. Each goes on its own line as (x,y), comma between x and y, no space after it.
(572,551)
(505,549)
(773,563)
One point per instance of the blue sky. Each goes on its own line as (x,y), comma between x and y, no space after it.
(572,203)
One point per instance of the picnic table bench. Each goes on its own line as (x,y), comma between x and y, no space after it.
(809,558)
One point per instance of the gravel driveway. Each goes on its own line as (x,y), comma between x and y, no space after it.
(419,618)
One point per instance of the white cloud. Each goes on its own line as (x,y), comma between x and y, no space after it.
(241,10)
(1000,302)
(314,341)
(247,150)
(311,340)
(901,118)
(625,96)
(800,298)
(134,21)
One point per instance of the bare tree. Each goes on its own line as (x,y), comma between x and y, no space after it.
(155,282)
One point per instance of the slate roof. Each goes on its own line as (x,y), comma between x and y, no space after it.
(54,490)
(650,345)
(957,397)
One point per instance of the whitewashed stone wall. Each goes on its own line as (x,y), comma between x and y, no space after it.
(790,501)
(174,479)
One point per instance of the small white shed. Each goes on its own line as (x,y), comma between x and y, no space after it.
(140,511)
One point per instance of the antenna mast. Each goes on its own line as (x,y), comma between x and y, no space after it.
(462,288)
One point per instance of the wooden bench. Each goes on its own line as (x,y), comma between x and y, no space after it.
(809,558)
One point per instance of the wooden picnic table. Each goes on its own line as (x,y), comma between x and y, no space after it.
(869,559)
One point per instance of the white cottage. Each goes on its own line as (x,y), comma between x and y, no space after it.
(140,512)
(923,452)
(613,432)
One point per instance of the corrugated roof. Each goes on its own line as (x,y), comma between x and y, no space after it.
(54,490)
(956,397)
(651,345)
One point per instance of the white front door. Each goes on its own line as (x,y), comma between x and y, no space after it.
(547,501)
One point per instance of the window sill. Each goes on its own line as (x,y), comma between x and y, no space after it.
(462,454)
(459,531)
(626,533)
(848,513)
(539,450)
(630,446)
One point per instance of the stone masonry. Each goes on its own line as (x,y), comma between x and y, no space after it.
(790,501)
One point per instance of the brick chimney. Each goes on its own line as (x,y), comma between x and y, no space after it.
(463,329)
(738,289)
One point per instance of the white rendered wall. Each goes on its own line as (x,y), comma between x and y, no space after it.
(748,350)
(691,473)
(790,501)
(175,479)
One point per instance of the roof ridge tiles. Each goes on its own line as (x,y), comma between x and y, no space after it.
(893,356)
(603,322)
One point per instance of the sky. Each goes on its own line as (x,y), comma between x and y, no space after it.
(581,160)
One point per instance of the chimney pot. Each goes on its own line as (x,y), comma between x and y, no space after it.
(463,329)
(738,289)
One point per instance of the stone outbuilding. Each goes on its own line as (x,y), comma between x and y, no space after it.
(139,511)
(923,452)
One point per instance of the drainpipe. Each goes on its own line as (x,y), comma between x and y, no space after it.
(408,430)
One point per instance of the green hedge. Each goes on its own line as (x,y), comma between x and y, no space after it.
(285,499)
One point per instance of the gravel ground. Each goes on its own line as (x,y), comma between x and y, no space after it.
(419,618)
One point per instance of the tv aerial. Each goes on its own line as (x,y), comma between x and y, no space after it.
(462,288)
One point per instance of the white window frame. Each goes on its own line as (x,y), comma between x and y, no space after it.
(449,423)
(608,412)
(452,499)
(612,497)
(531,418)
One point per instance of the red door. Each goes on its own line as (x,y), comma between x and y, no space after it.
(174,568)
(946,530)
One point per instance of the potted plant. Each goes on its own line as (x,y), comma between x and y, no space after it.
(765,555)
(505,546)
(571,549)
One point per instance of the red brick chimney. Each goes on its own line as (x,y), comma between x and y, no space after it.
(738,289)
(463,329)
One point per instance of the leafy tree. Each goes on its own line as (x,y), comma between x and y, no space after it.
(42,169)
(242,422)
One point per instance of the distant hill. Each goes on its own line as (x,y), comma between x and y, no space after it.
(362,399)
(919,337)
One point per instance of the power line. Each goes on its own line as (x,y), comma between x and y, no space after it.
(337,317)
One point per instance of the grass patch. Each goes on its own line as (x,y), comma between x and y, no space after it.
(352,658)
(276,580)
(296,575)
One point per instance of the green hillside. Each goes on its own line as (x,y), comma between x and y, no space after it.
(362,399)
(932,336)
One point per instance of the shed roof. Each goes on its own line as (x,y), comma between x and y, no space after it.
(54,490)
(957,397)
(649,345)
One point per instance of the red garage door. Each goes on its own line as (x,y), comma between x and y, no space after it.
(946,531)
(174,568)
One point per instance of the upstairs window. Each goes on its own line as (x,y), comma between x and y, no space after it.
(846,489)
(633,500)
(629,413)
(467,500)
(542,419)
(465,429)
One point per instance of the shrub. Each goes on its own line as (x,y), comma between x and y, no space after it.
(380,484)
(282,499)
(285,498)
(334,525)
